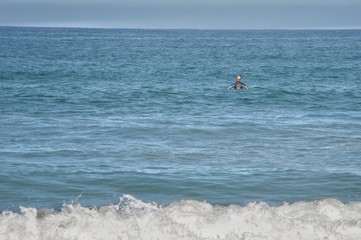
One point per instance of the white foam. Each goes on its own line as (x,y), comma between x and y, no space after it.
(133,219)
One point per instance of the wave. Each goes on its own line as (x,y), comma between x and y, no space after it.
(186,219)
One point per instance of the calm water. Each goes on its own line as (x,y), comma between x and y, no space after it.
(88,115)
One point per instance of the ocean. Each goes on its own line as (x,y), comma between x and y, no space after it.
(133,134)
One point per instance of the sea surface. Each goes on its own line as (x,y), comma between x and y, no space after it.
(133,134)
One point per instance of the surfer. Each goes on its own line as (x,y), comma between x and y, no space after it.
(238,84)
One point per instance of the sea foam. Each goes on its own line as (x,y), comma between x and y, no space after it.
(133,219)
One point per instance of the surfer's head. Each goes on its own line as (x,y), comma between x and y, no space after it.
(238,78)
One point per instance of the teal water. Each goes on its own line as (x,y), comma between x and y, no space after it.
(88,115)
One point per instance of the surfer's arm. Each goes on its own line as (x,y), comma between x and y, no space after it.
(233,86)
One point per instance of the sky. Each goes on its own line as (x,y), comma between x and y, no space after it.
(183,14)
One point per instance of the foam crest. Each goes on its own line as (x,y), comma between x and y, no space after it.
(134,219)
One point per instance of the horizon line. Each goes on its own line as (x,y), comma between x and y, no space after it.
(195,29)
(181,28)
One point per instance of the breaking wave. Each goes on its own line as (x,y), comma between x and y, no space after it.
(187,219)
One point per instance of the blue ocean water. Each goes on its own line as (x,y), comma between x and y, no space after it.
(104,117)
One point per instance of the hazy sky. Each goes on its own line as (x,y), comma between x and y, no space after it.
(205,14)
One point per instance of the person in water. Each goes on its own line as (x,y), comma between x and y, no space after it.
(238,84)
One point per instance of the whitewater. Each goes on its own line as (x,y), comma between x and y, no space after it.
(133,219)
